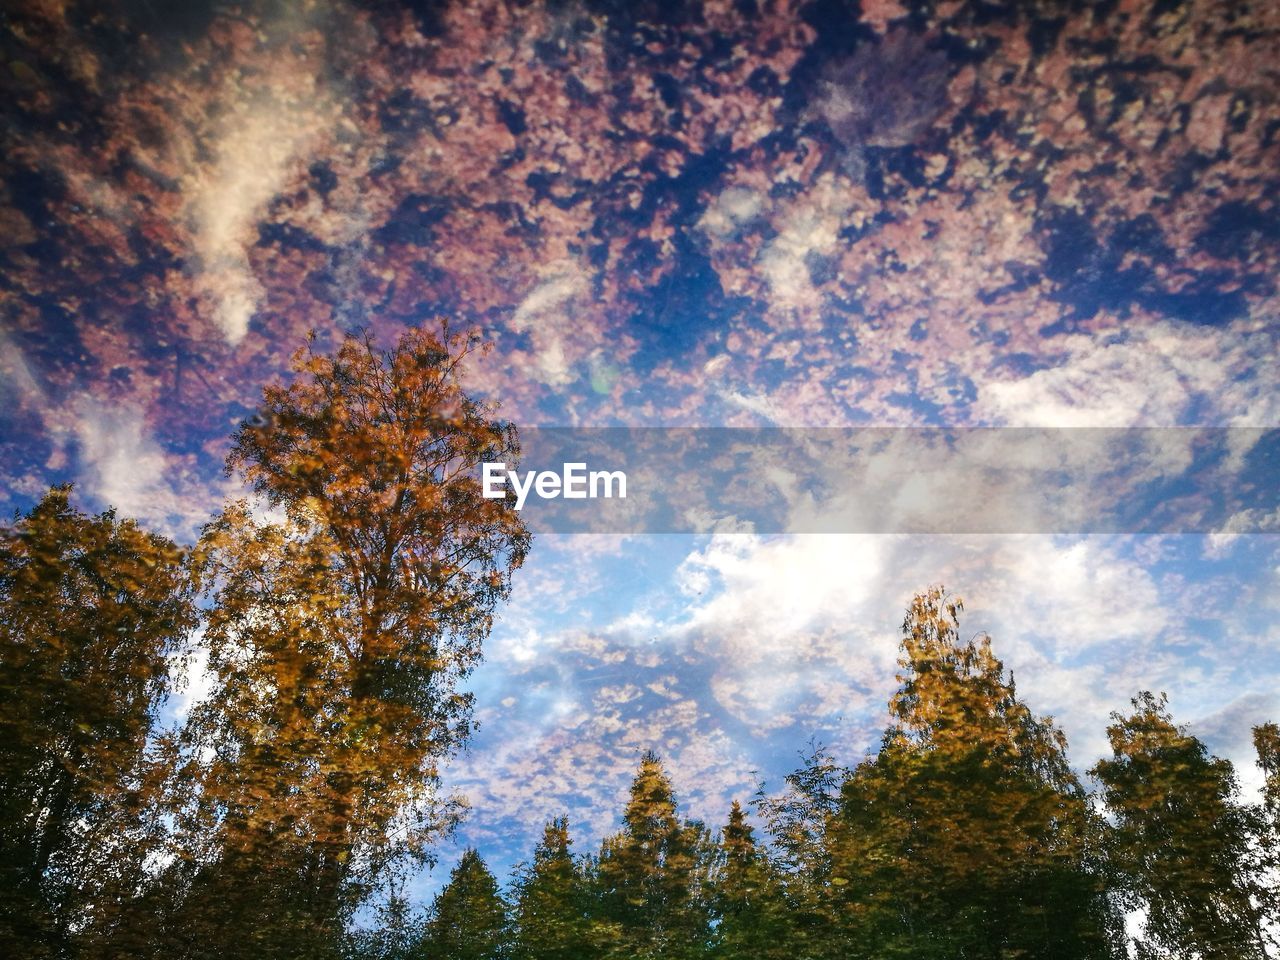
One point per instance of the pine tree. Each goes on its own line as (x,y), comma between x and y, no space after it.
(651,875)
(747,904)
(1181,841)
(967,834)
(396,933)
(91,609)
(468,918)
(552,903)
(1266,741)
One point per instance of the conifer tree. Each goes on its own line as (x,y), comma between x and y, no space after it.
(652,875)
(91,609)
(468,920)
(552,902)
(397,933)
(1266,741)
(746,900)
(1181,841)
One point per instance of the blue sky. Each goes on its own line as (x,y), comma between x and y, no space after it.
(727,653)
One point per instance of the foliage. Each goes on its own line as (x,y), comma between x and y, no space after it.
(798,821)
(469,918)
(1181,842)
(91,610)
(750,913)
(552,910)
(651,875)
(336,634)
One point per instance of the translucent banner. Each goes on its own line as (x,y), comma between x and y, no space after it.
(879,480)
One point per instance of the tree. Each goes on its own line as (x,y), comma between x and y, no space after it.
(746,898)
(336,635)
(651,875)
(468,918)
(967,834)
(552,902)
(1266,741)
(1181,842)
(798,821)
(91,609)
(396,933)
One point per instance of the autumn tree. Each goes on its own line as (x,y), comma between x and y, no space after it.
(91,610)
(967,834)
(552,902)
(651,875)
(468,919)
(336,634)
(1181,842)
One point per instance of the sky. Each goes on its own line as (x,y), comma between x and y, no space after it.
(734,213)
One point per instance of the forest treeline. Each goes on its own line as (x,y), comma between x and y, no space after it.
(966,834)
(333,620)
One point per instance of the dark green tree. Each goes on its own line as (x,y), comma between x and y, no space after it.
(747,904)
(468,920)
(91,610)
(1181,842)
(652,876)
(395,933)
(552,902)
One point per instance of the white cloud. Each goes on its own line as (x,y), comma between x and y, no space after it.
(1159,374)
(197,680)
(18,384)
(546,313)
(730,211)
(263,126)
(260,146)
(811,226)
(802,628)
(121,464)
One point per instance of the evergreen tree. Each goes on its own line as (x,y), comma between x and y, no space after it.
(747,905)
(396,934)
(552,902)
(651,876)
(968,834)
(91,608)
(468,919)
(1181,841)
(1266,741)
